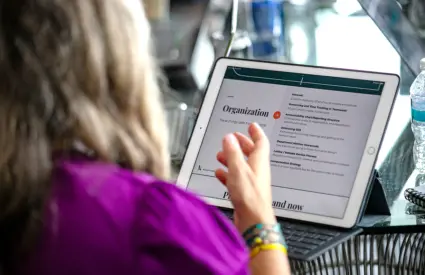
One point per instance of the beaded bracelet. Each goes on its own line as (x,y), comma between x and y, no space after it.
(261,237)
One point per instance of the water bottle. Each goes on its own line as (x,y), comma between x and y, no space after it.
(417,95)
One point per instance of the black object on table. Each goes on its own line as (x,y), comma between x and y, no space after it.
(414,196)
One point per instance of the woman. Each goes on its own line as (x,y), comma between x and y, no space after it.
(84,155)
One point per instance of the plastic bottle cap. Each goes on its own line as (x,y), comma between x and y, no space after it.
(422,64)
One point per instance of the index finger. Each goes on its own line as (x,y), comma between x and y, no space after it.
(257,135)
(233,154)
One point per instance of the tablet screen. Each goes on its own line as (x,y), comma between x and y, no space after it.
(318,128)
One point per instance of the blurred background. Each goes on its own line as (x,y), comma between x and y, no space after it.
(373,35)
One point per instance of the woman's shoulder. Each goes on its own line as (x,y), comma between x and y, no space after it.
(188,235)
(167,224)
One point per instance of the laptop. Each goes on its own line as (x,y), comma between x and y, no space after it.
(325,127)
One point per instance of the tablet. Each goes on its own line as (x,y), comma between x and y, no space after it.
(325,128)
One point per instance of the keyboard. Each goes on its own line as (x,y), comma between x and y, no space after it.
(308,241)
(305,241)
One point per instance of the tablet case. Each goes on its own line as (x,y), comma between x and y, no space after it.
(376,202)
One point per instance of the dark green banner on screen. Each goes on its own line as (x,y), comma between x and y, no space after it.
(306,80)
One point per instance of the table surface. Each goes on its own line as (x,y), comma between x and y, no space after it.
(341,35)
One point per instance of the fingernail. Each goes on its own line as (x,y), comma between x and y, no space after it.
(251,127)
(232,140)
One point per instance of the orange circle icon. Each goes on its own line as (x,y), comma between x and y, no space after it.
(276,115)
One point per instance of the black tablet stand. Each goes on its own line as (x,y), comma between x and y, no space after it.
(376,201)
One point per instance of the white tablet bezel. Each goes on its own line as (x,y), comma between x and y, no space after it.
(367,164)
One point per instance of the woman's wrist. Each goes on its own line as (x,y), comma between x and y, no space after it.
(247,216)
(247,220)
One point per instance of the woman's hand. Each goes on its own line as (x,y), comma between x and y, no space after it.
(248,179)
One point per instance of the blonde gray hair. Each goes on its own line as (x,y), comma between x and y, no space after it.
(71,70)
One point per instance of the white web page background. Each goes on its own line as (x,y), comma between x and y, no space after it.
(314,179)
